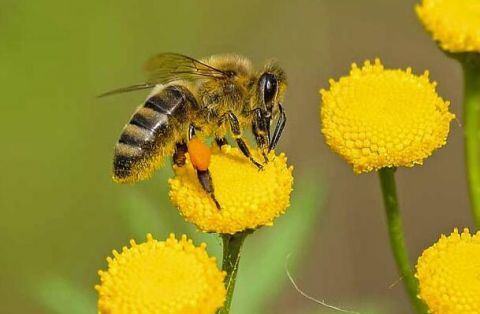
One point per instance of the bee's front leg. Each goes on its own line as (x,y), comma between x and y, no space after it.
(221,141)
(261,130)
(237,134)
(282,120)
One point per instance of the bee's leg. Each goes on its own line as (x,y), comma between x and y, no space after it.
(191,131)
(205,180)
(237,134)
(179,157)
(282,120)
(261,131)
(203,175)
(220,141)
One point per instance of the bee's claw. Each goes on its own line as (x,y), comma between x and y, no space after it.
(259,166)
(217,204)
(265,157)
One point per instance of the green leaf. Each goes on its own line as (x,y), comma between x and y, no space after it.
(59,295)
(262,273)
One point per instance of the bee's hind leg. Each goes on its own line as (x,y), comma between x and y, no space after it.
(203,174)
(179,157)
(205,180)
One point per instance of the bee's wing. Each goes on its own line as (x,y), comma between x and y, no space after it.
(128,89)
(167,67)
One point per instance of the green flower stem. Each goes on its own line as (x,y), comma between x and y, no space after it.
(471,120)
(397,241)
(232,243)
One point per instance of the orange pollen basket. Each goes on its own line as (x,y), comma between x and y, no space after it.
(199,154)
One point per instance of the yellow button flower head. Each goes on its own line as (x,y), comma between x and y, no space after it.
(449,274)
(455,24)
(171,276)
(377,118)
(249,198)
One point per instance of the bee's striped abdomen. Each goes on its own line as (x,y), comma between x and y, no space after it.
(148,136)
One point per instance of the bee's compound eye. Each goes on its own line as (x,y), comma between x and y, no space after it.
(269,87)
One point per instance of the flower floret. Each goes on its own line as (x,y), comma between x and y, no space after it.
(455,24)
(449,274)
(171,276)
(377,117)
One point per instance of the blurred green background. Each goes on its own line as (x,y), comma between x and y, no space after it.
(61,215)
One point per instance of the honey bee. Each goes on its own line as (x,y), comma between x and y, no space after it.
(192,98)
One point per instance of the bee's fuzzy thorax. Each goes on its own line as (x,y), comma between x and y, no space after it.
(232,62)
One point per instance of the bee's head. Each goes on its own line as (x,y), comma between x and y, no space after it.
(271,88)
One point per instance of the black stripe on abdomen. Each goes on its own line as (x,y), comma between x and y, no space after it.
(134,135)
(122,166)
(126,156)
(131,140)
(142,121)
(142,142)
(149,119)
(167,102)
(137,142)
(158,104)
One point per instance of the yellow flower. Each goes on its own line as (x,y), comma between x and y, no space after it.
(376,118)
(449,274)
(171,276)
(249,198)
(455,24)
